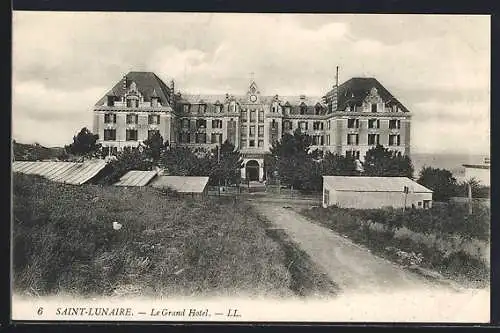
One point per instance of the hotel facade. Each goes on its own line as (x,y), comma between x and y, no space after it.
(349,119)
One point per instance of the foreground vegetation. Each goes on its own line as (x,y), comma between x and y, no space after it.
(64,242)
(441,222)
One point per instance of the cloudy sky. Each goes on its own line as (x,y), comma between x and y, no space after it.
(438,66)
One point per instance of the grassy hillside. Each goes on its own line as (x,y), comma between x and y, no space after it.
(64,243)
(35,152)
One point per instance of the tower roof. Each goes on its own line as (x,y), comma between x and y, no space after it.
(148,84)
(355,90)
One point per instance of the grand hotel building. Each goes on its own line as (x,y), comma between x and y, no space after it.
(349,119)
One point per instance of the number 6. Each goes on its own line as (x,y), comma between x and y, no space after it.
(40,311)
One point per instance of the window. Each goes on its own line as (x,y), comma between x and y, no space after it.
(109,135)
(185,123)
(394,140)
(132,103)
(252,143)
(261,131)
(303,125)
(202,108)
(274,124)
(244,131)
(153,119)
(201,123)
(327,139)
(252,130)
(216,138)
(373,123)
(132,118)
(352,123)
(287,125)
(352,139)
(216,123)
(218,108)
(186,108)
(185,138)
(303,109)
(274,107)
(394,124)
(287,109)
(252,116)
(154,101)
(131,135)
(111,100)
(317,125)
(261,143)
(233,106)
(374,107)
(419,204)
(373,139)
(317,110)
(261,116)
(244,116)
(201,138)
(243,143)
(110,118)
(427,204)
(328,125)
(326,197)
(151,133)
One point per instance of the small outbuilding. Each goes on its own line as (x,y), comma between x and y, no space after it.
(186,185)
(374,192)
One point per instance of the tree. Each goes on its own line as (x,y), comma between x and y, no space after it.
(155,147)
(182,161)
(84,144)
(227,164)
(337,165)
(380,161)
(130,158)
(441,181)
(291,159)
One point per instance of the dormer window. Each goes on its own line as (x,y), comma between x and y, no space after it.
(317,109)
(232,106)
(286,108)
(218,107)
(202,108)
(111,101)
(374,107)
(132,103)
(154,102)
(303,108)
(186,108)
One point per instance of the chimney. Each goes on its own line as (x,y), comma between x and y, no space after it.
(337,77)
(172,93)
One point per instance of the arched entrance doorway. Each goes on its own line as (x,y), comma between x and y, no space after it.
(252,170)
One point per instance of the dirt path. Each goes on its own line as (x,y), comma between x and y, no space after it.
(350,266)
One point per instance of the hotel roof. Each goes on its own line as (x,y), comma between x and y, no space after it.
(355,90)
(148,84)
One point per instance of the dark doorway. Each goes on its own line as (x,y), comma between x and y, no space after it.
(252,170)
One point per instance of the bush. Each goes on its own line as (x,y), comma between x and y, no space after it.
(442,221)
